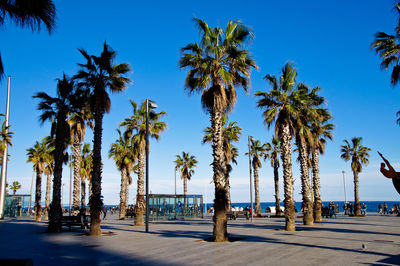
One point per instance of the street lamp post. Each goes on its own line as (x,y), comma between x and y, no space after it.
(344,186)
(151,105)
(4,165)
(251,186)
(175,195)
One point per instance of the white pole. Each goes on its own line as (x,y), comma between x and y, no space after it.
(251,186)
(30,194)
(344,186)
(4,166)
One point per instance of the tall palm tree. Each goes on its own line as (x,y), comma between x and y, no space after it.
(279,105)
(257,152)
(15,186)
(56,110)
(49,171)
(37,156)
(217,66)
(78,122)
(321,131)
(27,14)
(85,172)
(306,111)
(135,126)
(272,152)
(124,157)
(387,46)
(358,155)
(185,165)
(231,132)
(99,74)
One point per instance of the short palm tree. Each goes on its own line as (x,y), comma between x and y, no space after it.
(279,108)
(5,138)
(27,14)
(85,172)
(321,132)
(37,156)
(272,152)
(124,156)
(15,186)
(387,46)
(78,122)
(135,126)
(217,66)
(56,110)
(358,155)
(257,152)
(185,165)
(99,74)
(231,132)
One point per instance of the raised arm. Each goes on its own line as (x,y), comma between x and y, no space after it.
(391,173)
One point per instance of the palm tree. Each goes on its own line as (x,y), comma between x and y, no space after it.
(85,172)
(388,48)
(78,122)
(230,132)
(56,110)
(49,171)
(305,112)
(135,126)
(272,152)
(124,157)
(29,14)
(5,138)
(185,164)
(37,156)
(321,131)
(15,186)
(358,155)
(218,65)
(99,74)
(257,151)
(279,106)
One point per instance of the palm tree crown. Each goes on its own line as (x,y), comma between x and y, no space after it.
(355,152)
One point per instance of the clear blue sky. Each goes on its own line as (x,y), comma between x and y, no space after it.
(329,42)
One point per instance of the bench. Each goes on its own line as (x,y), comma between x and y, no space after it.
(232,215)
(130,212)
(79,220)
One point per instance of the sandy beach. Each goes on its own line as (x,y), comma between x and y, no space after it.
(373,239)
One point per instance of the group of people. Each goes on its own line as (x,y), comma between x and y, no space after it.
(349,208)
(383,209)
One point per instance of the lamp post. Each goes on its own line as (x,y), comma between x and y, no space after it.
(175,194)
(4,165)
(151,105)
(344,186)
(251,186)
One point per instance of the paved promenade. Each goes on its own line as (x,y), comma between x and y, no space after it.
(373,239)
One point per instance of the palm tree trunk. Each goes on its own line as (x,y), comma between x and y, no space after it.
(228,191)
(47,200)
(90,187)
(38,196)
(317,187)
(357,206)
(140,202)
(55,207)
(305,182)
(77,168)
(184,195)
(286,157)
(83,193)
(96,201)
(277,199)
(220,232)
(127,194)
(256,191)
(122,204)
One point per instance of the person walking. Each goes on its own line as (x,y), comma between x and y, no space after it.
(105,212)
(385,208)
(380,207)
